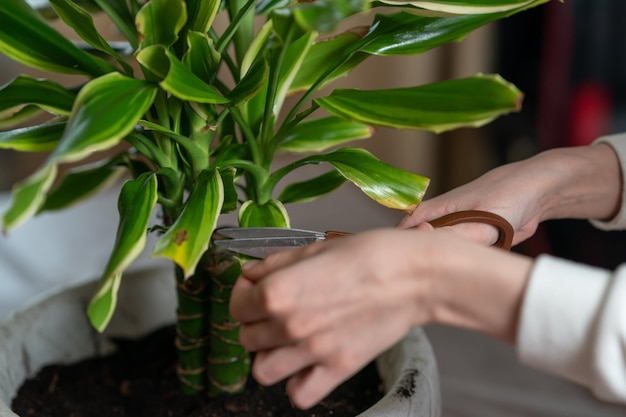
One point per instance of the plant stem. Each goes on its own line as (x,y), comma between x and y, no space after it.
(192,325)
(228,361)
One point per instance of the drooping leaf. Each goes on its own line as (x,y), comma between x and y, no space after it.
(446,105)
(312,189)
(188,238)
(39,138)
(28,196)
(46,94)
(81,183)
(106,110)
(160,21)
(136,202)
(26,38)
(320,134)
(82,22)
(384,183)
(269,214)
(176,78)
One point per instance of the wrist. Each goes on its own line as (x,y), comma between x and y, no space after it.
(580,182)
(481,289)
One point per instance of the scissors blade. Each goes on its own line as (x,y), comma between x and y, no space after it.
(260,242)
(267,232)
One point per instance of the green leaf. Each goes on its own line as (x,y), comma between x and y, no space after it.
(160,21)
(472,101)
(464,6)
(189,237)
(312,189)
(46,94)
(82,22)
(28,196)
(176,78)
(123,18)
(320,134)
(41,138)
(201,14)
(106,110)
(201,57)
(250,85)
(136,202)
(269,214)
(26,38)
(82,183)
(19,117)
(408,34)
(325,54)
(324,16)
(230,191)
(386,184)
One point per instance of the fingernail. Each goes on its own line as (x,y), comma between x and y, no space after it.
(249,265)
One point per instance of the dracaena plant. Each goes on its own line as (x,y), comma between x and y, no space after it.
(202,113)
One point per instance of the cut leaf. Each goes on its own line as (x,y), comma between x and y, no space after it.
(189,237)
(438,107)
(136,202)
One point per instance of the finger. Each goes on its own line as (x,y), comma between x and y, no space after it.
(246,301)
(256,270)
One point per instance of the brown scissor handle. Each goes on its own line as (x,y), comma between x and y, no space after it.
(505,230)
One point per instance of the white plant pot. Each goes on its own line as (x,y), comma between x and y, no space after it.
(55,330)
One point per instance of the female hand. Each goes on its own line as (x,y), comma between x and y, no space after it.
(583,182)
(319,314)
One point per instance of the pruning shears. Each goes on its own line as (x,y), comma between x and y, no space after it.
(260,242)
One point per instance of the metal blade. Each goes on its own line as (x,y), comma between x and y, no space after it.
(267,232)
(264,246)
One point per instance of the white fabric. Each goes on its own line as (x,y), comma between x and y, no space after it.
(573,317)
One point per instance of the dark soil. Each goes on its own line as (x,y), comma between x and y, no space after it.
(139,381)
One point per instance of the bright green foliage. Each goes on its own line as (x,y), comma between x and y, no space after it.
(201,108)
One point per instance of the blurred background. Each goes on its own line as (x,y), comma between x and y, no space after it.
(570,61)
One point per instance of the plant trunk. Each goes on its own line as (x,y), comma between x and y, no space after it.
(192,323)
(228,361)
(210,357)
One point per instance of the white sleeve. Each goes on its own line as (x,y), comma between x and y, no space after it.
(573,324)
(618,143)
